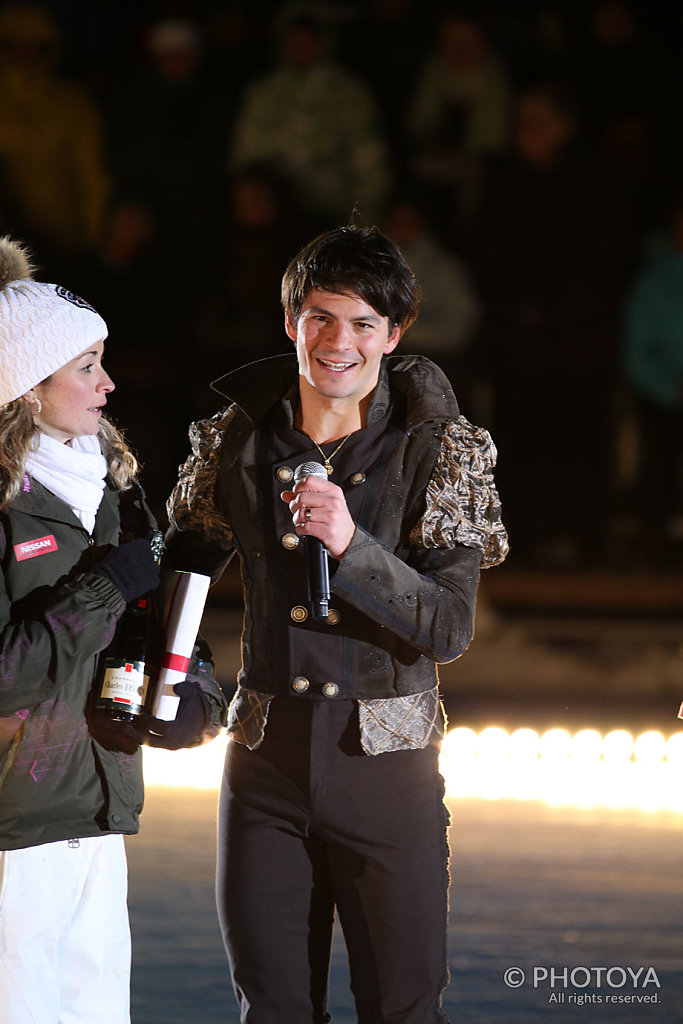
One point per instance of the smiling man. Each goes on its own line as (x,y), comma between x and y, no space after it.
(332,798)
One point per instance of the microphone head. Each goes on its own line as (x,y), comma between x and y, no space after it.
(307,469)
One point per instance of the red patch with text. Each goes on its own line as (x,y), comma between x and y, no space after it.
(32,548)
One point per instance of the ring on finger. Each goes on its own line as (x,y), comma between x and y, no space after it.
(307,515)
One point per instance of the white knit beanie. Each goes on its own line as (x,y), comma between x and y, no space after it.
(42,326)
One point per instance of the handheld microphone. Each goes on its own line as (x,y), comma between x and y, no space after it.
(317,568)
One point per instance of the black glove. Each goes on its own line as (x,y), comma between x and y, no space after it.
(123,737)
(192,717)
(131,567)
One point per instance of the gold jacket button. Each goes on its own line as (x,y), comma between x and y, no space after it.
(300,684)
(333,617)
(357,478)
(290,541)
(284,474)
(299,613)
(330,689)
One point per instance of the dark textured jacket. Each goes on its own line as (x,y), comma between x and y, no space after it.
(404,592)
(56,781)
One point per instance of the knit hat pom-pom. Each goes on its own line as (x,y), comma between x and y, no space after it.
(15,262)
(42,326)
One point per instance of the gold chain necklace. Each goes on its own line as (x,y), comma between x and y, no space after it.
(328,460)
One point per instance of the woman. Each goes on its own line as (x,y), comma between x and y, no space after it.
(68,496)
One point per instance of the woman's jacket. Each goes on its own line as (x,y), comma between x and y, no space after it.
(56,780)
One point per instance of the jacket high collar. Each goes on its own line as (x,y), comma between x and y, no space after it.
(256,387)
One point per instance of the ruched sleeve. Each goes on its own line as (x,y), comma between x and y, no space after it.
(191,506)
(462,504)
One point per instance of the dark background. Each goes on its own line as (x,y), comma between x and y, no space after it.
(165,160)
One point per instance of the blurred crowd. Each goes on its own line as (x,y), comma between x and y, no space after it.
(165,160)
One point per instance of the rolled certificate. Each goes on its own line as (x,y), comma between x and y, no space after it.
(185,609)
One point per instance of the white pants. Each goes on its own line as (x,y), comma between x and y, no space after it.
(64,933)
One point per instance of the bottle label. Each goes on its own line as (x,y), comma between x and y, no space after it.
(124,684)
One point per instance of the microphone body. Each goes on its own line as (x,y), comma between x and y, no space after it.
(317,567)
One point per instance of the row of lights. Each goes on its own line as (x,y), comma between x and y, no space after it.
(586,769)
(585,745)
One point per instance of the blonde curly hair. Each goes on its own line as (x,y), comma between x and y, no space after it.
(18,433)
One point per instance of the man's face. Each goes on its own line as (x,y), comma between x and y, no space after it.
(340,341)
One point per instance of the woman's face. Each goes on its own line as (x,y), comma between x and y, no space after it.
(72,398)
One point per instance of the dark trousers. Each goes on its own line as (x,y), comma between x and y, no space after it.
(309,824)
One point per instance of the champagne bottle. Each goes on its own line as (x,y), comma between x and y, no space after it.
(129,664)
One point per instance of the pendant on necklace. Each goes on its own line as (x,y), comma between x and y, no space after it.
(327,460)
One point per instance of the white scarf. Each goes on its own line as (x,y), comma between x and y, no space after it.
(75,473)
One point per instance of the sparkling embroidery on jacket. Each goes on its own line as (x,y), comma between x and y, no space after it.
(393,723)
(462,504)
(247,716)
(401,723)
(191,505)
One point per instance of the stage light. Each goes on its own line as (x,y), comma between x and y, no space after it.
(586,745)
(581,770)
(492,743)
(525,744)
(674,749)
(650,747)
(194,768)
(617,745)
(461,743)
(555,744)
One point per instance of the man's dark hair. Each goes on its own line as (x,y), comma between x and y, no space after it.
(354,261)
